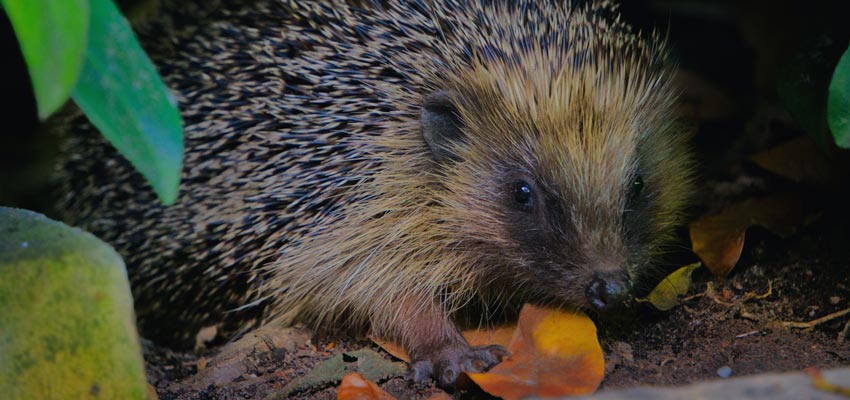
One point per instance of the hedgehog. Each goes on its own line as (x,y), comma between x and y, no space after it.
(383,165)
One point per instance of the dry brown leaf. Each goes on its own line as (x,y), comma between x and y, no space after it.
(719,238)
(394,349)
(553,353)
(355,387)
(151,392)
(802,160)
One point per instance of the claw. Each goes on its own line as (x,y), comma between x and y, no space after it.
(420,371)
(446,365)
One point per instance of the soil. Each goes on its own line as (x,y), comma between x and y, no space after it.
(730,56)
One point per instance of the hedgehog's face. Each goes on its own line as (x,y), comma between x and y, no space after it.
(564,204)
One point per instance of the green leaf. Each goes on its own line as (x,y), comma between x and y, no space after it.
(122,94)
(52,36)
(802,86)
(838,103)
(666,294)
(67,328)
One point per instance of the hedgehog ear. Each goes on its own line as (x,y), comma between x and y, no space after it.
(441,124)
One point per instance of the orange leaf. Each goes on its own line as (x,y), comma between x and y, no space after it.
(394,349)
(355,387)
(483,337)
(820,383)
(802,160)
(719,238)
(553,353)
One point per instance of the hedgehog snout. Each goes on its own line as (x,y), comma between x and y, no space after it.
(606,290)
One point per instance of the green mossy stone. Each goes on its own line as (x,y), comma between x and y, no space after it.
(67,327)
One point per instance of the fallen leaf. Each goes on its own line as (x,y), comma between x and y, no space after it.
(719,238)
(803,160)
(151,393)
(355,387)
(496,335)
(394,349)
(820,383)
(553,353)
(666,294)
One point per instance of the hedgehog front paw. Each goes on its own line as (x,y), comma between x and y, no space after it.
(446,365)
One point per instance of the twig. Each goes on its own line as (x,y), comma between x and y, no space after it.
(709,291)
(743,335)
(815,322)
(843,335)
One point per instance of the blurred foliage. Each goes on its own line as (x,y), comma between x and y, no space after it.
(52,35)
(87,50)
(838,104)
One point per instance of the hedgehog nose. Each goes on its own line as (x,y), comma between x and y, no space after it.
(607,290)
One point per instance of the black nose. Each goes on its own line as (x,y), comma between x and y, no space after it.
(607,290)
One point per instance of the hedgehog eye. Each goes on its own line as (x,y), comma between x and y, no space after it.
(636,188)
(523,195)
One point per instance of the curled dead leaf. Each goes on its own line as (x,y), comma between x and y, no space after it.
(394,349)
(719,238)
(355,387)
(820,383)
(553,353)
(803,160)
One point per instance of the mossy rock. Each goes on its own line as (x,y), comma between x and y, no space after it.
(67,327)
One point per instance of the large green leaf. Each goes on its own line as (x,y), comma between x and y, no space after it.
(122,94)
(838,104)
(52,36)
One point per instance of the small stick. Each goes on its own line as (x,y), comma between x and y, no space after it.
(743,335)
(843,335)
(811,324)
